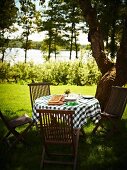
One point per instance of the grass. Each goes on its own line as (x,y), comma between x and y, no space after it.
(15,98)
(95,152)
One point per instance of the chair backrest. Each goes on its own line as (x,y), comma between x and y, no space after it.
(117,101)
(38,89)
(56,126)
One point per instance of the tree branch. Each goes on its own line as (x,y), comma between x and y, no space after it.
(121,63)
(95,35)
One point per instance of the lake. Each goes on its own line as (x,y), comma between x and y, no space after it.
(16,55)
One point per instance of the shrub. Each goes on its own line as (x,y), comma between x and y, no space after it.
(4,71)
(74,73)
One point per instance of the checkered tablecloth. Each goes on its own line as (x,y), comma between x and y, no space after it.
(86,108)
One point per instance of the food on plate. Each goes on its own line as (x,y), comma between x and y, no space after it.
(56,100)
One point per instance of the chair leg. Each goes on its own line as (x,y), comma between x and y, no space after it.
(82,132)
(76,149)
(96,127)
(37,125)
(8,134)
(42,159)
(5,138)
(114,129)
(20,137)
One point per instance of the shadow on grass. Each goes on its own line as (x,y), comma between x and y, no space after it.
(102,153)
(95,152)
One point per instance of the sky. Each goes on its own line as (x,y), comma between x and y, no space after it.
(83,39)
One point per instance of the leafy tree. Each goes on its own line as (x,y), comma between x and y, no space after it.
(61,21)
(73,20)
(27,19)
(52,24)
(8,14)
(107,22)
(113,73)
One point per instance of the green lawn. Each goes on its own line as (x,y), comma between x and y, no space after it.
(95,152)
(16,98)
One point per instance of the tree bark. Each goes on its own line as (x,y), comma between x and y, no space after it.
(113,74)
(104,86)
(117,75)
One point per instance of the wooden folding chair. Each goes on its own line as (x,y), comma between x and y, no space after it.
(113,111)
(57,129)
(11,126)
(38,90)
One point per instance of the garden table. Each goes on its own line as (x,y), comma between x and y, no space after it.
(86,107)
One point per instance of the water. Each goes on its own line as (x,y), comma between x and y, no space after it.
(16,55)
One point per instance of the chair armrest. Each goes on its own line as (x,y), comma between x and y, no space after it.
(107,115)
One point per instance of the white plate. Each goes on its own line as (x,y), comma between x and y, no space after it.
(69,98)
(87,97)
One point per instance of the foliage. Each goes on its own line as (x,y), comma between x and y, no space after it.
(4,71)
(112,30)
(75,73)
(27,20)
(112,26)
(73,19)
(8,14)
(61,21)
(18,43)
(52,24)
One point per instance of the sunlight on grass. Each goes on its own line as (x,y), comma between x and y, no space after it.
(16,98)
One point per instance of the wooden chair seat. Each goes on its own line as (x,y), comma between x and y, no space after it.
(20,121)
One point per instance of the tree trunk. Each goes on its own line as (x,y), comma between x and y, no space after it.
(112,74)
(104,86)
(76,47)
(26,44)
(117,75)
(71,42)
(49,54)
(49,47)
(3,55)
(25,55)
